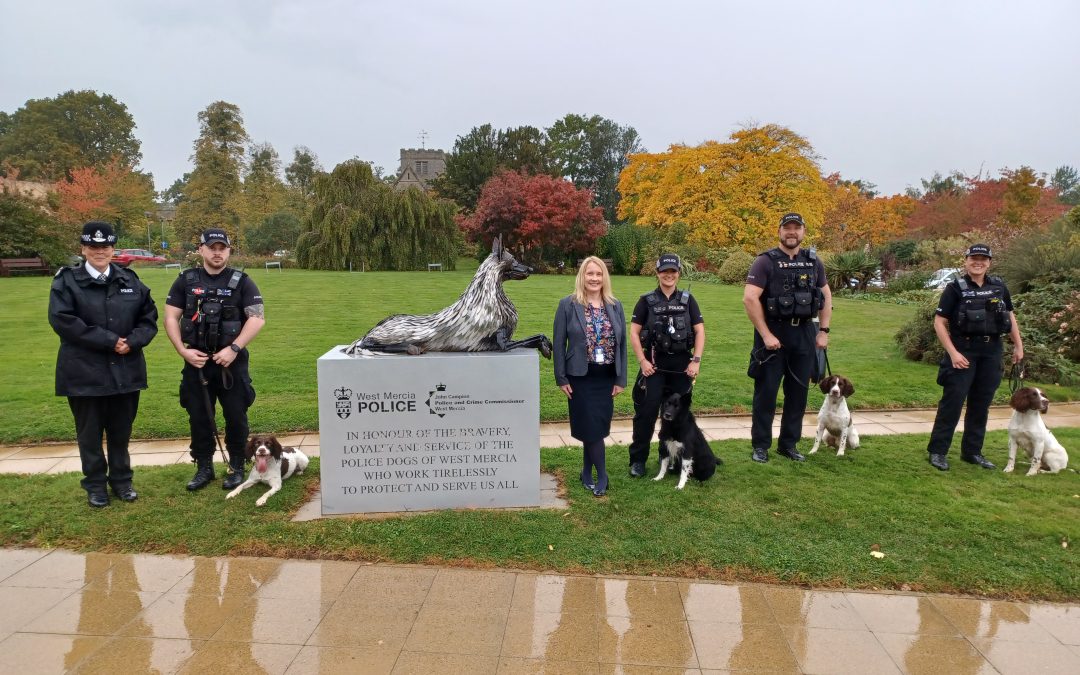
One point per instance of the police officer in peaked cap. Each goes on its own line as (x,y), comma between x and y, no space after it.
(973,313)
(785,291)
(105,317)
(212,314)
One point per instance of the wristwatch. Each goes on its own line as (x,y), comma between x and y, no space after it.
(696,359)
(235,348)
(824,330)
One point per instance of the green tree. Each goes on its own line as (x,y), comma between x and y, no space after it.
(484,151)
(48,138)
(1066,180)
(300,173)
(276,232)
(591,152)
(212,196)
(263,193)
(27,228)
(174,194)
(358,222)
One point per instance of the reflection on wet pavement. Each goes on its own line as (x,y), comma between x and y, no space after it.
(68,612)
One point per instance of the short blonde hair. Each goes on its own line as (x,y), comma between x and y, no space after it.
(579,283)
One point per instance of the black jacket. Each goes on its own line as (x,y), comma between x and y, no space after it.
(90,316)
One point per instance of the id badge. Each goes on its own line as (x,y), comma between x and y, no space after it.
(598,355)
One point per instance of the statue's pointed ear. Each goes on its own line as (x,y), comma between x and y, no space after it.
(496,246)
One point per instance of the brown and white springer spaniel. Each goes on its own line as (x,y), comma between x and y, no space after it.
(834,423)
(272,464)
(1028,431)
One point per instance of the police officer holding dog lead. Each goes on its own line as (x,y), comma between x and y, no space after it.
(105,317)
(667,334)
(974,312)
(785,290)
(212,314)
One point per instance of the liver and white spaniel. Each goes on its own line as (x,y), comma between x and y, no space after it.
(1028,431)
(273,464)
(834,423)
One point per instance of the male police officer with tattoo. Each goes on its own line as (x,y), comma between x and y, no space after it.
(105,317)
(785,289)
(667,334)
(972,315)
(212,313)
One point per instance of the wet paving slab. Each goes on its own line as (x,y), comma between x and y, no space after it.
(90,613)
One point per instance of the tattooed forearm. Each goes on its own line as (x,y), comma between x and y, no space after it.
(254,311)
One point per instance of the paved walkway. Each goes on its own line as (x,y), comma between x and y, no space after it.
(100,613)
(97,613)
(63,457)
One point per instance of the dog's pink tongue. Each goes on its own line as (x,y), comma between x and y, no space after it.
(260,463)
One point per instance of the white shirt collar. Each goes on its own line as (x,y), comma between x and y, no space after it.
(94,273)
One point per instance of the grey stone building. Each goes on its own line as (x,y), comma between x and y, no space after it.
(418,167)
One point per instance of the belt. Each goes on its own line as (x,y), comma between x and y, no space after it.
(790,322)
(981,338)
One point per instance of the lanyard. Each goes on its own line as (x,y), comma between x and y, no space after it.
(597,321)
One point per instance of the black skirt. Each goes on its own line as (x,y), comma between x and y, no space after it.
(591,405)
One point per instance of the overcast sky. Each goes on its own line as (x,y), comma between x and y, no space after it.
(887,92)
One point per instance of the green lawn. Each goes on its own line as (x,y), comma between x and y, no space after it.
(309,312)
(968,530)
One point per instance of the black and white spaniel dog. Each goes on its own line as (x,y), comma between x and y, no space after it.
(682,443)
(272,464)
(834,424)
(1028,431)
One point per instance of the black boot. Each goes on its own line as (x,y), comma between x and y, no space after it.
(204,473)
(235,475)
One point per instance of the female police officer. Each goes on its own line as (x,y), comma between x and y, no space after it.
(105,317)
(972,315)
(667,334)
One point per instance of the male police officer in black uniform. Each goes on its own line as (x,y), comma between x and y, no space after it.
(785,289)
(104,316)
(212,313)
(972,315)
(667,334)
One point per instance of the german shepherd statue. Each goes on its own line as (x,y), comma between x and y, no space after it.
(482,320)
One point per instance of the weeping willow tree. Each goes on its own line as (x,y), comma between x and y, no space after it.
(357,221)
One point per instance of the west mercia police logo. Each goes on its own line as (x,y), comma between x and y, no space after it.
(344,402)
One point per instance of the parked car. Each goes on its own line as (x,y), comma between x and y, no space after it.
(942,277)
(126,256)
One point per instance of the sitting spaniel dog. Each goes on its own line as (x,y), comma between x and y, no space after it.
(273,464)
(1028,431)
(834,419)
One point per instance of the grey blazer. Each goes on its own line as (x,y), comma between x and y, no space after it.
(570,343)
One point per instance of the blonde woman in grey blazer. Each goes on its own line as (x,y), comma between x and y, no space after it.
(590,364)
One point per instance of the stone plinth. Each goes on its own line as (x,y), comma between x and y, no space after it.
(435,431)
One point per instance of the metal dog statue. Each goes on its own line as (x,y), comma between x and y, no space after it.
(482,320)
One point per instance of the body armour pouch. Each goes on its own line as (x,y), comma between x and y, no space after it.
(230,325)
(974,322)
(209,326)
(804,305)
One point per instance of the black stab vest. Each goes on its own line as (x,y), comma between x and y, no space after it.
(982,310)
(792,292)
(212,316)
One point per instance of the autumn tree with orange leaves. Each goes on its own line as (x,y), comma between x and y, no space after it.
(112,192)
(727,194)
(856,218)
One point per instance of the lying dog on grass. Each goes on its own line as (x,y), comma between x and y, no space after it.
(1028,431)
(272,464)
(834,424)
(682,443)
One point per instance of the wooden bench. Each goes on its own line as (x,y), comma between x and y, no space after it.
(10,266)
